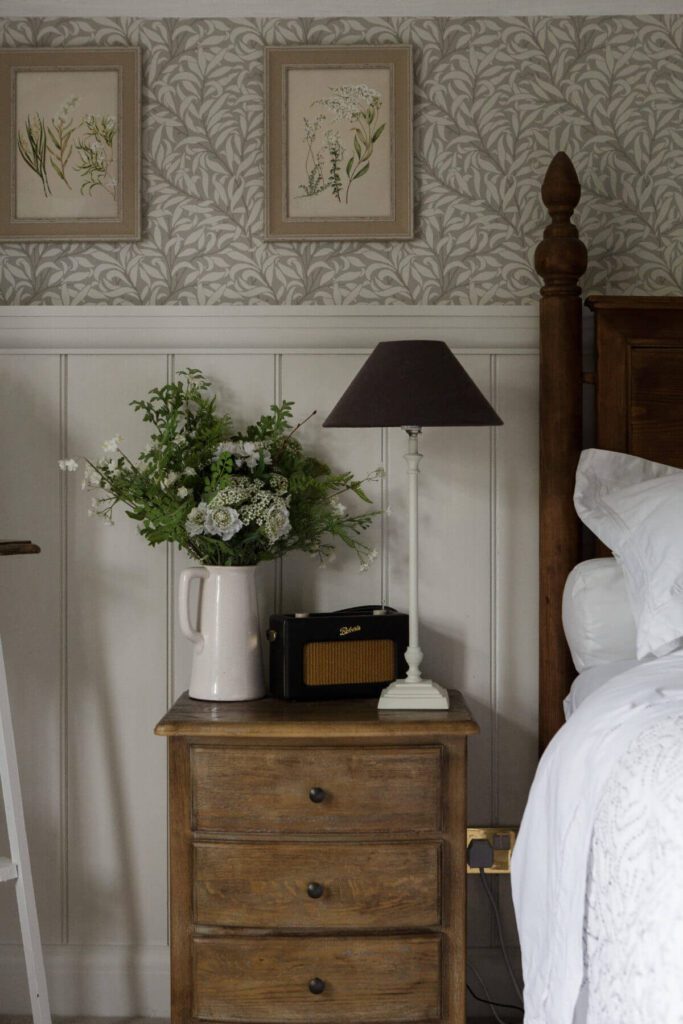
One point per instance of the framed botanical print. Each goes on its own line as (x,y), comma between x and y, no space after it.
(70,158)
(339,130)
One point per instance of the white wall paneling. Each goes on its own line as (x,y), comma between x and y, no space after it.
(92,646)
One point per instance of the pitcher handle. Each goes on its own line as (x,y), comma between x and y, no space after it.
(186,577)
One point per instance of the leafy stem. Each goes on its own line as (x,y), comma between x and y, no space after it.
(33,149)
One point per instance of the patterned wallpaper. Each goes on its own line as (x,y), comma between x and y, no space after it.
(494,99)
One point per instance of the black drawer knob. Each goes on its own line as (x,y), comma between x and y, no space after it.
(316,795)
(315,890)
(316,986)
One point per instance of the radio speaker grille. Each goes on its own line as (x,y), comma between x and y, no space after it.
(349,661)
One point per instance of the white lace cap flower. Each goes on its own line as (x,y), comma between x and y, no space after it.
(68,465)
(189,471)
(338,507)
(169,479)
(276,521)
(223,522)
(112,445)
(196,519)
(182,492)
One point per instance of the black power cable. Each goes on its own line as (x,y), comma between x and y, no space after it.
(499,926)
(490,1002)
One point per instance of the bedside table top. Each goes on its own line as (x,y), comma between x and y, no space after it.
(294,719)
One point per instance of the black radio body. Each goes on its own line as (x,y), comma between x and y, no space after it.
(354,652)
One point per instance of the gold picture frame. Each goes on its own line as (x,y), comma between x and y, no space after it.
(70,159)
(339,130)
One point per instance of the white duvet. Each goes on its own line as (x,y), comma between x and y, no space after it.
(596,874)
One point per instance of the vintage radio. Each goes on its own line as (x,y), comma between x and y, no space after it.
(354,652)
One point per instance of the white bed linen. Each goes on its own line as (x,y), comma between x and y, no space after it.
(591,680)
(552,859)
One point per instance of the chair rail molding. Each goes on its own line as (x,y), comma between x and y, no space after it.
(493,329)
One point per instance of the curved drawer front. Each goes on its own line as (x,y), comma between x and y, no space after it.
(323,885)
(316,789)
(318,980)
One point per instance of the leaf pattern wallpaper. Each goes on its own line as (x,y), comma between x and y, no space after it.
(494,99)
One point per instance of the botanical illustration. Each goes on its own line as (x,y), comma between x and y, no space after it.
(494,99)
(80,152)
(357,107)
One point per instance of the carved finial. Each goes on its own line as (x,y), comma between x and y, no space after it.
(561,257)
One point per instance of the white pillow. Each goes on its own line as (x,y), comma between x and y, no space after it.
(635,507)
(591,680)
(596,614)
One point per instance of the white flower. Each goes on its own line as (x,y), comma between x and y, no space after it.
(338,507)
(69,465)
(112,445)
(277,524)
(223,522)
(169,479)
(91,479)
(189,471)
(196,520)
(278,483)
(235,493)
(182,492)
(368,560)
(244,453)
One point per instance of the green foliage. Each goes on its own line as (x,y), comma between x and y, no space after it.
(60,146)
(33,149)
(227,498)
(96,151)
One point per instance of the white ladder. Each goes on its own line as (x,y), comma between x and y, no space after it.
(17,868)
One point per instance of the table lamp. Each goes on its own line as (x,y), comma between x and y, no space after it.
(412,384)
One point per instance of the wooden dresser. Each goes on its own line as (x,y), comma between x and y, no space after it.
(317,862)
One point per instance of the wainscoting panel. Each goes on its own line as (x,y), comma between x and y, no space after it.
(31,617)
(315,382)
(116,643)
(93,649)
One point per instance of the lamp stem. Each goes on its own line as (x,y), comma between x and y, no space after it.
(413,652)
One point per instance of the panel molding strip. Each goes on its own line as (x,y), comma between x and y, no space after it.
(113,329)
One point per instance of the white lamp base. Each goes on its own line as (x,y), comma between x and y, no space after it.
(403,695)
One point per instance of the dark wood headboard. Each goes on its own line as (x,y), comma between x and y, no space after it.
(638,408)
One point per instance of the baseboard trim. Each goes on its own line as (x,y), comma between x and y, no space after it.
(102,981)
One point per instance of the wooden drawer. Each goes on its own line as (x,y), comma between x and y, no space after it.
(364,885)
(364,789)
(369,979)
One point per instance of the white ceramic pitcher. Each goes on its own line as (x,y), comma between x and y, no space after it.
(226,663)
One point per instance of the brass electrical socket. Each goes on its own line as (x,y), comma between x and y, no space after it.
(501,839)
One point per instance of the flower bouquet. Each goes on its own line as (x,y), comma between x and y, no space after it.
(230,499)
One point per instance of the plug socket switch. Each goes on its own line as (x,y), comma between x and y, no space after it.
(490,848)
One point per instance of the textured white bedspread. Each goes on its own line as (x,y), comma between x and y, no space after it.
(606,806)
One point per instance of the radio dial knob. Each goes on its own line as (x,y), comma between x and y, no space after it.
(316,986)
(316,795)
(315,890)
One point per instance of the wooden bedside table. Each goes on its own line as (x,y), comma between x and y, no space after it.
(317,862)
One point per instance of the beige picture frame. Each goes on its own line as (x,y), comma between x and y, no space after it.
(338,151)
(70,159)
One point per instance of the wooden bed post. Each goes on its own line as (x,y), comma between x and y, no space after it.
(560,260)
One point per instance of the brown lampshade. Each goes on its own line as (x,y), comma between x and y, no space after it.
(412,384)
